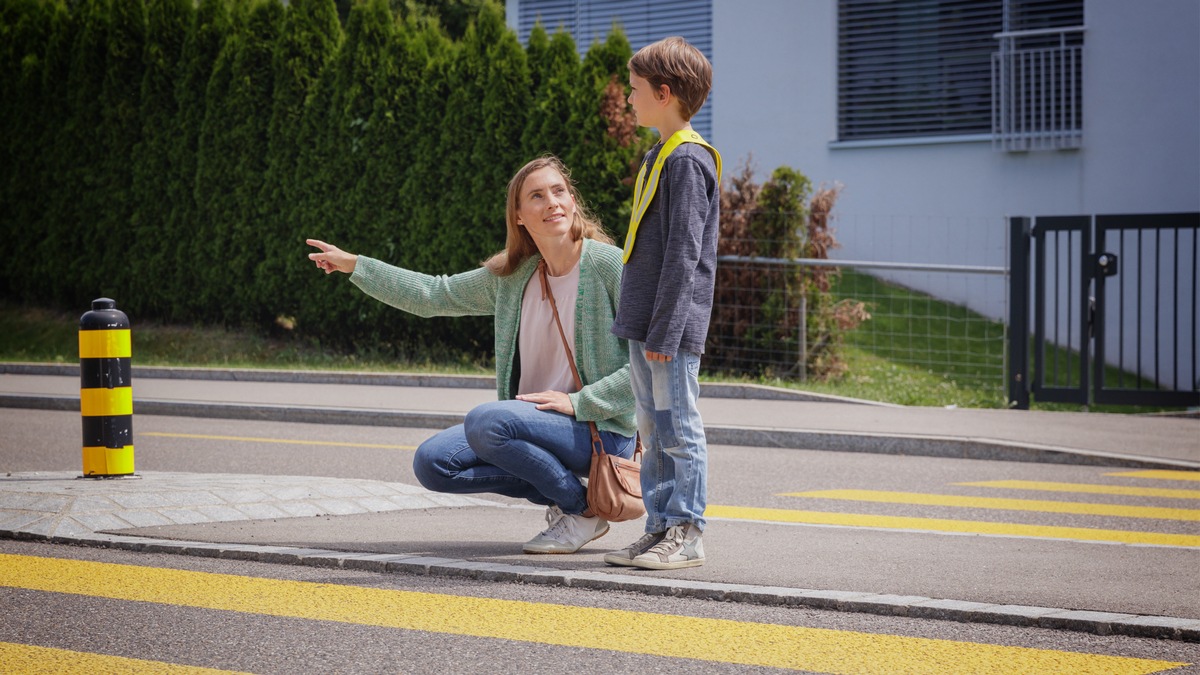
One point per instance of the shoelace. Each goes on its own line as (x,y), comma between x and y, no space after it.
(674,537)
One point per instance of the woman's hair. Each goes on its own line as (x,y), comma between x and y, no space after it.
(518,245)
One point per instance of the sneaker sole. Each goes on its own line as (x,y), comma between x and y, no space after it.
(564,551)
(655,565)
(619,562)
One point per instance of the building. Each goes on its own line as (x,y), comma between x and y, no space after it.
(941,118)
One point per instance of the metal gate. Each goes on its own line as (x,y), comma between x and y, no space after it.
(1114,307)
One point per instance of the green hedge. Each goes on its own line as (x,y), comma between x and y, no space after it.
(174,155)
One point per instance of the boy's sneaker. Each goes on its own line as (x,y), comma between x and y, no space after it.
(567,533)
(680,547)
(626,555)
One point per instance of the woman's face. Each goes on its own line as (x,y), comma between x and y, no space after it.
(545,205)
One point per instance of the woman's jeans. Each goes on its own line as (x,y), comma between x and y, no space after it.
(513,449)
(675,451)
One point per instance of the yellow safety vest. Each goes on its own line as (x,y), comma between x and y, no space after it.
(643,190)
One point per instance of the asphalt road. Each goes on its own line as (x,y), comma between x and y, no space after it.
(867,557)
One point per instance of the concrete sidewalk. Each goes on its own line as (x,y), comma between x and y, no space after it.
(401,528)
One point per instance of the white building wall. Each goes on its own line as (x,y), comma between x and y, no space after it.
(775,69)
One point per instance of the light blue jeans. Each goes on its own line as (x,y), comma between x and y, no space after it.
(675,459)
(511,448)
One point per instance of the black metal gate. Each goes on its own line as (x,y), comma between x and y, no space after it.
(1114,302)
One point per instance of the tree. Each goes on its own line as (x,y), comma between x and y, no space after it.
(154,174)
(554,67)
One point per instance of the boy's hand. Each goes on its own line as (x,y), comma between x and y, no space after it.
(550,400)
(655,356)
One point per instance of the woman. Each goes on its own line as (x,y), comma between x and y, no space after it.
(534,442)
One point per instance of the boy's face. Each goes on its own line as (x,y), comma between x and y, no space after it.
(646,103)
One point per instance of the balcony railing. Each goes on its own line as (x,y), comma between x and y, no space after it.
(1037,90)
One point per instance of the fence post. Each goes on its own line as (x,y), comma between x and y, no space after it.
(1018,313)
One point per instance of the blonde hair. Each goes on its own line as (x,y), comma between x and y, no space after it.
(676,63)
(518,245)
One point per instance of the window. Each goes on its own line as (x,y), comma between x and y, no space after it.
(929,68)
(644,21)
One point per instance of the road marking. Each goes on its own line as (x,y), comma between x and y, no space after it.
(725,641)
(1160,474)
(30,659)
(996,503)
(956,526)
(1126,490)
(259,439)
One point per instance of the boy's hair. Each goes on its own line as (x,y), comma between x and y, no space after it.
(676,63)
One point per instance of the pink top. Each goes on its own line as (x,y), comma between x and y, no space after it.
(544,365)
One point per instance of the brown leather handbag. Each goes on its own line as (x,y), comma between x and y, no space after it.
(614,490)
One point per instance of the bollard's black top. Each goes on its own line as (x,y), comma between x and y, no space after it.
(104,316)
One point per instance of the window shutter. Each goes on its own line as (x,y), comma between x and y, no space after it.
(644,21)
(915,68)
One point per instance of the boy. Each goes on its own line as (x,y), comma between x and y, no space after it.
(666,300)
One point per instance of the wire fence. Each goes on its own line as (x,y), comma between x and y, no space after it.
(875,320)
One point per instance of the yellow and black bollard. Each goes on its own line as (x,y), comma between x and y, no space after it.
(106,394)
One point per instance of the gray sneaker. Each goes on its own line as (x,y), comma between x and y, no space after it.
(625,556)
(567,533)
(680,547)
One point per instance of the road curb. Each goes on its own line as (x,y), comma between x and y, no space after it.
(707,389)
(795,439)
(1098,623)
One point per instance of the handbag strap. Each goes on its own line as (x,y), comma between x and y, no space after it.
(597,443)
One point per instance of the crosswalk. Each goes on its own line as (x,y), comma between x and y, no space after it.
(1171,505)
(742,643)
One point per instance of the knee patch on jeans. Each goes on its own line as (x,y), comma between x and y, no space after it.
(664,429)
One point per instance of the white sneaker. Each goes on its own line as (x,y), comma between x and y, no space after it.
(682,546)
(567,533)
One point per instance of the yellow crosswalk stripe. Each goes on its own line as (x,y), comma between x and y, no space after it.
(996,503)
(726,641)
(1160,474)
(260,439)
(944,525)
(1086,488)
(30,659)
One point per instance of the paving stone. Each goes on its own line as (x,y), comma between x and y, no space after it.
(896,605)
(376,504)
(828,599)
(43,526)
(338,507)
(1163,627)
(261,511)
(292,492)
(1099,623)
(184,516)
(242,496)
(91,503)
(299,509)
(220,513)
(145,518)
(18,520)
(1015,615)
(95,522)
(955,610)
(342,490)
(413,502)
(420,564)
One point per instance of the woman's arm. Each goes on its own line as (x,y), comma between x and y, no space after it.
(469,293)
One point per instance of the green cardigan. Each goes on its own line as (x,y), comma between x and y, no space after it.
(602,358)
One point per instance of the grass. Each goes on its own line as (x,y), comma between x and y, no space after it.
(914,351)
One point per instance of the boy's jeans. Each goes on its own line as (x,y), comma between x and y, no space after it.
(513,449)
(675,463)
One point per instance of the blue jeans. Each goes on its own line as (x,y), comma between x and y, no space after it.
(513,449)
(675,459)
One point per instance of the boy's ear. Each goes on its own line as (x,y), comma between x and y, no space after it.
(663,93)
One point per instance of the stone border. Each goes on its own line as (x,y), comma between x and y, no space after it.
(797,439)
(1098,623)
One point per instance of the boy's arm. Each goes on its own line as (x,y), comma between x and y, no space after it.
(688,205)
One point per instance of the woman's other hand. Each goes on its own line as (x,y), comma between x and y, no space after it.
(331,258)
(550,400)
